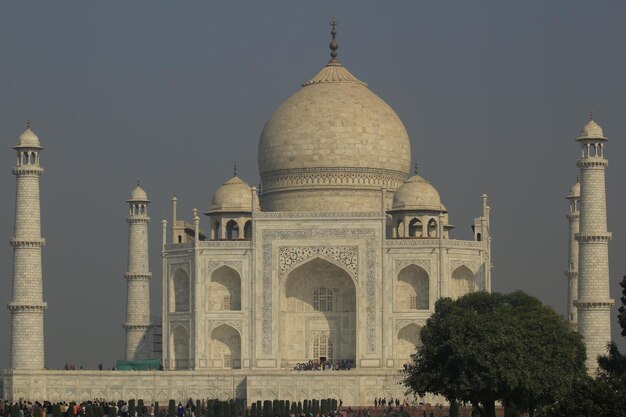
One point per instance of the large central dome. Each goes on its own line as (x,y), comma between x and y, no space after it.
(332,146)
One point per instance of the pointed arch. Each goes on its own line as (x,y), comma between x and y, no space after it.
(225,348)
(295,265)
(415,228)
(463,282)
(407,342)
(247,230)
(232,230)
(323,348)
(432,228)
(318,297)
(399,229)
(180,291)
(412,289)
(180,341)
(225,290)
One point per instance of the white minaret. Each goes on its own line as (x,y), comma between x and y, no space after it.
(27,306)
(594,302)
(572,260)
(137,325)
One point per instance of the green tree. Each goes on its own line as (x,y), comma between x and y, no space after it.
(89,412)
(131,408)
(604,395)
(171,408)
(112,411)
(484,348)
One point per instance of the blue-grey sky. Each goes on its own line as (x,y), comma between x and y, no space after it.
(492,93)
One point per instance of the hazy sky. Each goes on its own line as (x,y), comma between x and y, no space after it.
(493,95)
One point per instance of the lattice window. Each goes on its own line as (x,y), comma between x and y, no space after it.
(414,303)
(228,361)
(323,299)
(226,303)
(323,347)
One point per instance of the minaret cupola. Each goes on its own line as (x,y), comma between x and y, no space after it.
(138,202)
(592,139)
(28,148)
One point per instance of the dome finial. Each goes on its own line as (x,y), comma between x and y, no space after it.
(235,169)
(333,43)
(138,182)
(591,114)
(415,170)
(28,124)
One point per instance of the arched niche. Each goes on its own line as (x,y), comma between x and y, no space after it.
(180,341)
(225,348)
(318,299)
(463,282)
(232,230)
(432,228)
(247,230)
(224,292)
(412,289)
(399,229)
(415,228)
(407,342)
(180,291)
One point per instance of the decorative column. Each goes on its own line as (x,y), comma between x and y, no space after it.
(572,260)
(137,325)
(594,302)
(27,305)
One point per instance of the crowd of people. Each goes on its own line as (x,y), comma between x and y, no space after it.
(189,408)
(317,365)
(46,408)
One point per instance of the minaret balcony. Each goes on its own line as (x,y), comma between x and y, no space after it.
(596,237)
(26,306)
(138,277)
(27,242)
(28,170)
(592,162)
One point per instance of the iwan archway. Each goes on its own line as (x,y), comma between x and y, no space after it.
(317,314)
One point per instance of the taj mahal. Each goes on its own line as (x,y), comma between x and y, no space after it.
(337,257)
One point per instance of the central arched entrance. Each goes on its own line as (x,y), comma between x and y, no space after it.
(318,315)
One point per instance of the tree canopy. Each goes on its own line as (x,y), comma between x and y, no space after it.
(604,395)
(488,347)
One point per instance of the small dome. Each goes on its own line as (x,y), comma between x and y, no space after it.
(592,130)
(139,195)
(574,192)
(417,194)
(233,196)
(28,139)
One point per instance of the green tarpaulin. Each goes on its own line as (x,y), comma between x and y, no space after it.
(146,365)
